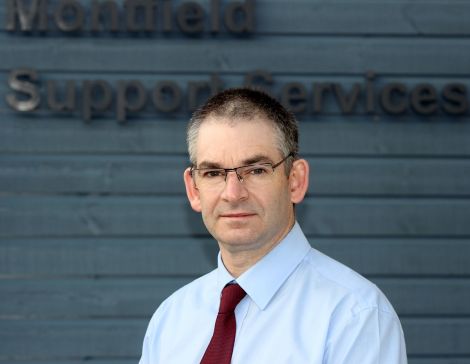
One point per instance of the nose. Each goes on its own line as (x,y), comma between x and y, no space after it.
(234,189)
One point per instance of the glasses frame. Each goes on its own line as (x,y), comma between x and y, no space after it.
(235,169)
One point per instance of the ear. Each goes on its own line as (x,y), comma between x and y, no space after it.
(298,180)
(191,191)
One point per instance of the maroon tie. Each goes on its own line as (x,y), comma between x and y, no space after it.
(220,347)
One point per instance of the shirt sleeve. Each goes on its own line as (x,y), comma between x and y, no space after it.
(150,344)
(145,357)
(370,336)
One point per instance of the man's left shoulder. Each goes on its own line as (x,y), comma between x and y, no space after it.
(361,324)
(347,285)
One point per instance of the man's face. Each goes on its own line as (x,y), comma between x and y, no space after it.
(241,217)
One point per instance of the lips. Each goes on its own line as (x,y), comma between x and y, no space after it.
(237,214)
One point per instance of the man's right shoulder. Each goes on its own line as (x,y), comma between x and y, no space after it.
(195,288)
(194,291)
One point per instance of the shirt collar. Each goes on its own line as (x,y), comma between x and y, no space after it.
(263,280)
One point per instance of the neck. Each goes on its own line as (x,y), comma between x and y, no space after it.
(237,264)
(239,261)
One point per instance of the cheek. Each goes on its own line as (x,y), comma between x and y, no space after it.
(273,201)
(282,202)
(207,207)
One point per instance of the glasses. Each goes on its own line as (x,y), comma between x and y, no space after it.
(252,175)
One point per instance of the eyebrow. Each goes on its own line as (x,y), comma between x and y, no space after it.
(257,158)
(210,165)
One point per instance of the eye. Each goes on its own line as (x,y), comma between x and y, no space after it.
(258,170)
(213,173)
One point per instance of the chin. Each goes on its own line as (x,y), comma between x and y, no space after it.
(238,238)
(236,235)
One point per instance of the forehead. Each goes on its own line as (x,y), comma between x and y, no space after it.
(229,141)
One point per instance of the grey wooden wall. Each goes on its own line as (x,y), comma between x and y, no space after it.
(95,230)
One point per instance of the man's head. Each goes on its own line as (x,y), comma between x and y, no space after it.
(244,103)
(248,209)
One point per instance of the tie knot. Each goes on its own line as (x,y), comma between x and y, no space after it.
(232,294)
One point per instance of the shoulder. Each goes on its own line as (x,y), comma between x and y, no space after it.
(350,290)
(184,298)
(195,288)
(362,326)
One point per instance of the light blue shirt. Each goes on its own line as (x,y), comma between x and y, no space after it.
(301,307)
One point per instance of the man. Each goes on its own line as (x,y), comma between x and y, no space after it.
(273,299)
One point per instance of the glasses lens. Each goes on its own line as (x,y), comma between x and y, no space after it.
(256,174)
(209,177)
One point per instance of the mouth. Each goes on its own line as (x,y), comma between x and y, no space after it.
(237,215)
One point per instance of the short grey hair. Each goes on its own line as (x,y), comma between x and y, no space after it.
(246,104)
